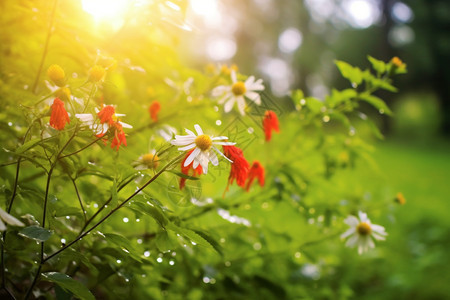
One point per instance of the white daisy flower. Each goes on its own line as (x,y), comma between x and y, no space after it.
(237,91)
(95,124)
(361,232)
(203,146)
(8,219)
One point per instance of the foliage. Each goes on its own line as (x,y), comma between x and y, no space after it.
(103,221)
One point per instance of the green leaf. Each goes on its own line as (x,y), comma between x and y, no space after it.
(338,97)
(123,243)
(67,211)
(376,102)
(114,197)
(195,237)
(351,73)
(36,233)
(378,65)
(183,175)
(166,240)
(383,84)
(314,104)
(70,284)
(28,145)
(151,210)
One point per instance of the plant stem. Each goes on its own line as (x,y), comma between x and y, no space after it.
(116,209)
(79,198)
(44,215)
(79,150)
(104,205)
(47,41)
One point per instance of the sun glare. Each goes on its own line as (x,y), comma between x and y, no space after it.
(204,7)
(104,9)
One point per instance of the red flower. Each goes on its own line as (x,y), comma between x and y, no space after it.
(239,167)
(185,170)
(270,122)
(256,171)
(119,136)
(153,109)
(59,116)
(107,115)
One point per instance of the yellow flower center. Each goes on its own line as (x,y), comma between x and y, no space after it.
(363,228)
(203,142)
(150,160)
(238,88)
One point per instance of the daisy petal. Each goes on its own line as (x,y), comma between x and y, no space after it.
(188,147)
(213,158)
(229,105)
(198,129)
(191,157)
(241,104)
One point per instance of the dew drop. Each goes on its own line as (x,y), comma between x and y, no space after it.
(297,254)
(138,220)
(302,102)
(326,118)
(125,220)
(206,279)
(10,124)
(250,130)
(257,246)
(171,262)
(381,111)
(147,253)
(218,122)
(63,241)
(139,241)
(119,261)
(159,259)
(227,263)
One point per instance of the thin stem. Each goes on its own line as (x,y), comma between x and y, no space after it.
(117,208)
(44,215)
(89,98)
(104,205)
(79,198)
(47,42)
(81,149)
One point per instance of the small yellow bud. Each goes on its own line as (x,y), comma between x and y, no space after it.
(400,199)
(96,73)
(150,160)
(63,93)
(108,63)
(210,68)
(397,62)
(57,75)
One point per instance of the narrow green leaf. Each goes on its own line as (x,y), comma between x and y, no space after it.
(376,102)
(166,240)
(68,283)
(314,104)
(36,233)
(183,175)
(123,243)
(378,65)
(67,211)
(351,73)
(194,236)
(28,145)
(151,210)
(114,197)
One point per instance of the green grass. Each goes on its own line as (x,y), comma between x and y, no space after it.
(416,260)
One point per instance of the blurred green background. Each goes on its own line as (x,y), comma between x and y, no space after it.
(291,44)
